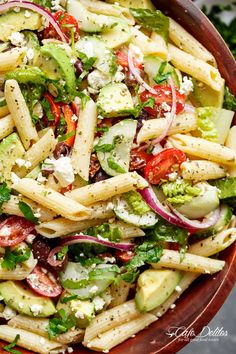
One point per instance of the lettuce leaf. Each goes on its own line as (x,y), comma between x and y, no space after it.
(180,191)
(226,187)
(136,203)
(206,125)
(152,20)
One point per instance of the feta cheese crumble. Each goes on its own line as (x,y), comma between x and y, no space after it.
(36,309)
(23,163)
(98,303)
(63,170)
(186,86)
(17,39)
(8,313)
(97,80)
(178,289)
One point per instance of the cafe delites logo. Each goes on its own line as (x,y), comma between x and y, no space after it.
(187,334)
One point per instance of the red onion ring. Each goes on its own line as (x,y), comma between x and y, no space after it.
(37,8)
(170,118)
(177,219)
(72,240)
(52,257)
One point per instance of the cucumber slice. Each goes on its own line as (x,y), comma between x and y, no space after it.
(117,160)
(123,212)
(88,21)
(75,280)
(93,46)
(118,35)
(152,65)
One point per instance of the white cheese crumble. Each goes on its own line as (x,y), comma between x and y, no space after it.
(23,163)
(119,76)
(30,238)
(5,231)
(97,80)
(74,118)
(79,314)
(137,53)
(27,14)
(21,305)
(178,289)
(70,350)
(166,107)
(14,178)
(30,54)
(56,5)
(63,170)
(98,303)
(172,306)
(17,39)
(93,290)
(109,259)
(186,86)
(172,176)
(36,309)
(41,178)
(8,313)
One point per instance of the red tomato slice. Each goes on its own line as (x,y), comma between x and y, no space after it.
(164,94)
(124,256)
(162,164)
(66,23)
(122,59)
(139,159)
(14,230)
(44,282)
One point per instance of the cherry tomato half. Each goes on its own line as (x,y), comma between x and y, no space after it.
(66,23)
(44,281)
(124,256)
(14,230)
(139,159)
(162,164)
(122,59)
(164,94)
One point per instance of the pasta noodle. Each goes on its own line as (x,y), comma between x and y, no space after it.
(6,126)
(20,113)
(149,46)
(196,68)
(204,149)
(84,138)
(200,170)
(231,143)
(106,189)
(11,59)
(51,199)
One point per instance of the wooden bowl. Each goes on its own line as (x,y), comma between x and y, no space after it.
(198,305)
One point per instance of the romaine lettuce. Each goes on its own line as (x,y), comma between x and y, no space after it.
(180,191)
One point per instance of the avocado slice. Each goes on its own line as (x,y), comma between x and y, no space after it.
(29,74)
(21,299)
(204,95)
(114,100)
(118,35)
(32,42)
(154,288)
(83,310)
(17,21)
(54,61)
(11,149)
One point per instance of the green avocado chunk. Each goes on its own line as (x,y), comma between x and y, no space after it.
(21,299)
(154,287)
(29,74)
(18,21)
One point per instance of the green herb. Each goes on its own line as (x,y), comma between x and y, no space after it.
(228,31)
(63,252)
(5,193)
(32,94)
(9,347)
(106,231)
(102,129)
(47,109)
(161,76)
(12,257)
(87,262)
(114,165)
(84,99)
(61,126)
(3,102)
(139,107)
(108,147)
(229,100)
(44,3)
(152,20)
(64,300)
(86,61)
(28,213)
(129,277)
(66,136)
(136,203)
(60,323)
(180,191)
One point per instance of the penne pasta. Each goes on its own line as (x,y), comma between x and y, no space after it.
(186,42)
(151,129)
(19,273)
(200,170)
(30,341)
(120,333)
(11,59)
(39,326)
(203,148)
(190,262)
(84,138)
(111,319)
(20,113)
(107,189)
(231,143)
(127,231)
(119,293)
(51,199)
(197,68)
(6,126)
(38,152)
(11,207)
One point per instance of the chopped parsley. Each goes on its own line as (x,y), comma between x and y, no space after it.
(28,213)
(9,347)
(60,323)
(5,193)
(12,257)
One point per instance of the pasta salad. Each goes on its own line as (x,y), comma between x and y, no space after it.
(117,170)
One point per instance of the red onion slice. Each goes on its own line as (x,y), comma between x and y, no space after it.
(37,8)
(171,116)
(177,219)
(52,257)
(135,72)
(72,240)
